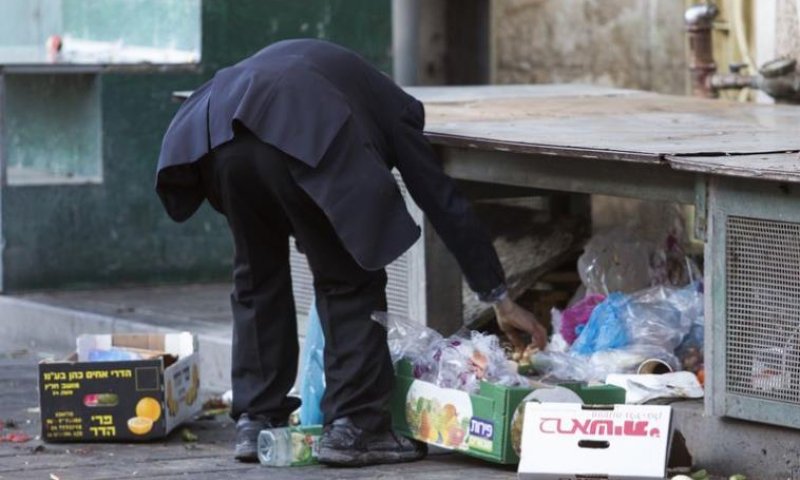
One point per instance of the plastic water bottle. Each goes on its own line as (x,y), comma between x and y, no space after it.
(275,447)
(289,446)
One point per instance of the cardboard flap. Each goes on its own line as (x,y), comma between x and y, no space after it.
(177,344)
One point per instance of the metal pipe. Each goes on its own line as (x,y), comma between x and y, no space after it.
(405,41)
(732,81)
(699,21)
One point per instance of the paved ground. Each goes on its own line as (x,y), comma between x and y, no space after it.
(50,322)
(208,458)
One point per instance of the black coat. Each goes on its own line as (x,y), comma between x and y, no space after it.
(348,125)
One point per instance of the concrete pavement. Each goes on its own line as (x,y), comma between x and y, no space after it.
(210,458)
(47,324)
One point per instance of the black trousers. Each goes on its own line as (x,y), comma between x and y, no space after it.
(251,184)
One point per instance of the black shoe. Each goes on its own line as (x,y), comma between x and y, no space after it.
(247,430)
(345,445)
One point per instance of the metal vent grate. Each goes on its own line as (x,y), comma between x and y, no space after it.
(763,309)
(396,287)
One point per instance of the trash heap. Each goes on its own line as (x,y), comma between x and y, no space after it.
(639,310)
(460,361)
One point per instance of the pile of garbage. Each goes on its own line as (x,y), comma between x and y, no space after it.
(460,361)
(639,310)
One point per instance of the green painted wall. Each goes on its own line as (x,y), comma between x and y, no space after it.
(114,233)
(53,113)
(147,23)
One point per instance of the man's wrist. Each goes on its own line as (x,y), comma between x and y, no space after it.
(495,295)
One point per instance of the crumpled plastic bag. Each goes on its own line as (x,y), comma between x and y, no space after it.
(406,338)
(624,331)
(660,316)
(460,361)
(571,321)
(628,259)
(690,351)
(606,328)
(596,367)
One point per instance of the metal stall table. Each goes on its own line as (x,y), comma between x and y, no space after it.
(736,163)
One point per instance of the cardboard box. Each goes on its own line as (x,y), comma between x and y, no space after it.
(129,400)
(478,425)
(563,441)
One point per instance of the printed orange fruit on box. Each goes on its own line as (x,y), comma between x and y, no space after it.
(140,425)
(148,407)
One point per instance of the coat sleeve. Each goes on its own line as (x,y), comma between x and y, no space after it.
(448,211)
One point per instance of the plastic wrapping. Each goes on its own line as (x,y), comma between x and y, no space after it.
(596,367)
(605,329)
(615,261)
(460,361)
(663,316)
(628,259)
(312,375)
(624,331)
(571,321)
(406,338)
(659,316)
(690,351)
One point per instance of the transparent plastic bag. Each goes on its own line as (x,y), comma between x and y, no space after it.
(596,367)
(659,316)
(624,331)
(572,320)
(615,261)
(406,338)
(462,361)
(628,259)
(690,351)
(662,316)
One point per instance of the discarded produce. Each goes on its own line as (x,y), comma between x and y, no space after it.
(188,436)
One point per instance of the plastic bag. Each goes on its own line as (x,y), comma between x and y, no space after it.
(406,338)
(312,383)
(628,259)
(571,321)
(624,331)
(659,316)
(605,329)
(460,361)
(690,351)
(615,261)
(662,316)
(596,367)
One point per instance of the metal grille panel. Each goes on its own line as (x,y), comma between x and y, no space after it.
(763,309)
(396,287)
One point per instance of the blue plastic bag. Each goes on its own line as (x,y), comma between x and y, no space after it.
(606,328)
(312,383)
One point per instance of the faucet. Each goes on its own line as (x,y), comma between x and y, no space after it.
(778,78)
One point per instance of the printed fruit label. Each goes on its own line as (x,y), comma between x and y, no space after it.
(439,416)
(304,448)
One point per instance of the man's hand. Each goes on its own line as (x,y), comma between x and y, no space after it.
(515,321)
